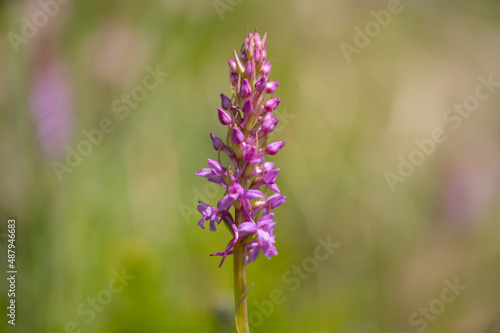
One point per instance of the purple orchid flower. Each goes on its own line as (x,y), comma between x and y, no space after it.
(209,213)
(236,192)
(265,239)
(249,116)
(214,173)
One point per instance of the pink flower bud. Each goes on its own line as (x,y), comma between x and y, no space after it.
(272,104)
(248,69)
(266,67)
(234,78)
(232,66)
(247,106)
(217,143)
(224,117)
(257,55)
(225,102)
(245,89)
(237,136)
(274,147)
(271,87)
(261,84)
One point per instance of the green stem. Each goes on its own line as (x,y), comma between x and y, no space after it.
(240,281)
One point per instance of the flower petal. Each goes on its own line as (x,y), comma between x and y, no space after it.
(216,167)
(256,160)
(204,209)
(201,222)
(270,177)
(253,194)
(254,253)
(267,217)
(216,179)
(274,187)
(212,223)
(204,172)
(235,191)
(247,228)
(266,167)
(249,152)
(276,200)
(270,251)
(225,202)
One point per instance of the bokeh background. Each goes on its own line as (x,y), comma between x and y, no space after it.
(128,205)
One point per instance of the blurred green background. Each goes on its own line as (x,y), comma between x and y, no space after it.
(127,207)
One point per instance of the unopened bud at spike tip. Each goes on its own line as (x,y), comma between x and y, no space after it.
(249,47)
(257,41)
(256,55)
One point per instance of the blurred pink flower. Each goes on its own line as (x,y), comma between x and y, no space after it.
(51,107)
(469,191)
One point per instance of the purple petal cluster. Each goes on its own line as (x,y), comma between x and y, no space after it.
(247,177)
